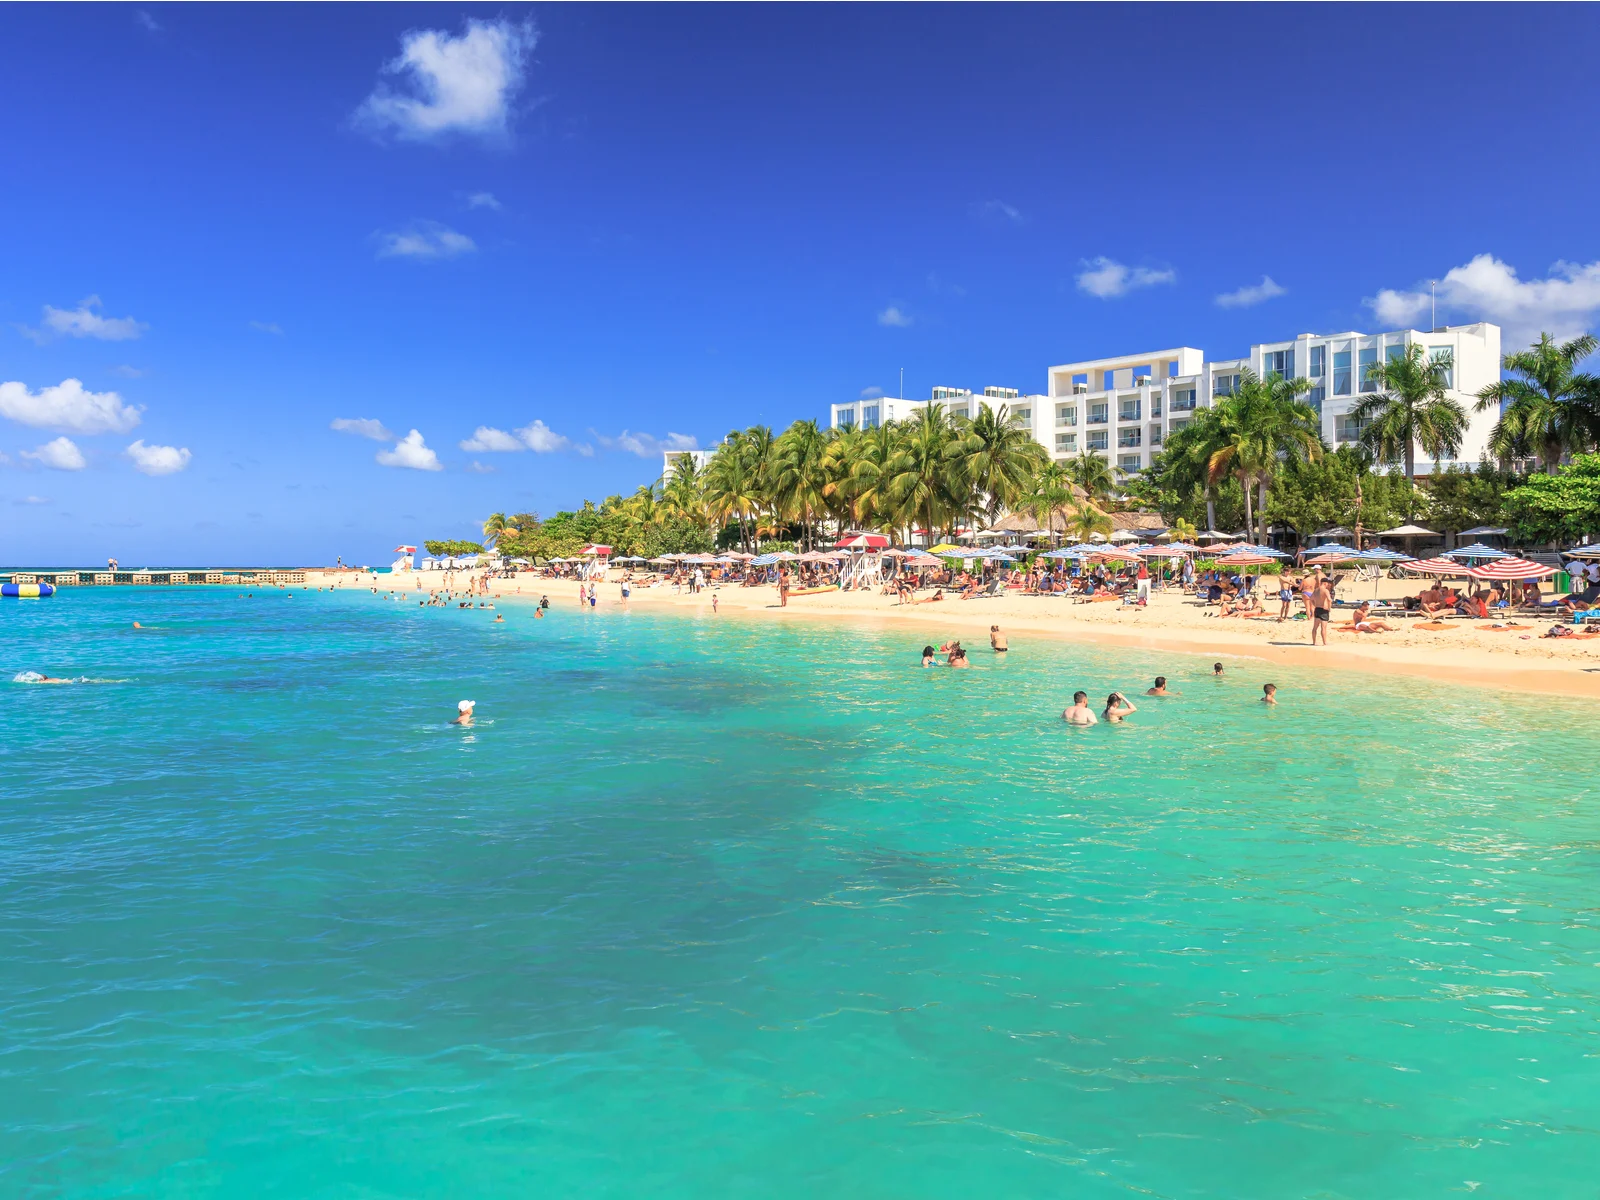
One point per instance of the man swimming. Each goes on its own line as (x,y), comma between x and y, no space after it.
(464,712)
(1269,693)
(1160,688)
(1216,670)
(1080,713)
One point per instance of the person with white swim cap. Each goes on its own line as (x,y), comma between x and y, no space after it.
(464,713)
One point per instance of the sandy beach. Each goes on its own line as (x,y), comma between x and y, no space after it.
(1467,652)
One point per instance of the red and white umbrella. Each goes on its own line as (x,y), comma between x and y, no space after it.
(602,551)
(1108,554)
(1512,568)
(1436,566)
(405,549)
(1244,559)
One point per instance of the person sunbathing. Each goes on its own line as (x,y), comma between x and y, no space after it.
(1360,622)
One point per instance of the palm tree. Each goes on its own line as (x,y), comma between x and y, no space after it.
(1551,411)
(682,496)
(871,475)
(732,490)
(1412,410)
(1087,520)
(998,459)
(798,474)
(496,527)
(841,462)
(1051,490)
(1093,474)
(1184,531)
(1286,427)
(920,474)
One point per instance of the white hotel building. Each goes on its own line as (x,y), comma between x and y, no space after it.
(1124,408)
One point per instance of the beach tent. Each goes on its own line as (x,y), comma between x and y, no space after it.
(1475,552)
(1512,569)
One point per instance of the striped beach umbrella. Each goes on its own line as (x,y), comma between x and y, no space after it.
(1512,569)
(1379,554)
(1475,553)
(1244,558)
(1435,566)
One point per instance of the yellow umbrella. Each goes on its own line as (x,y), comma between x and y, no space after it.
(945,549)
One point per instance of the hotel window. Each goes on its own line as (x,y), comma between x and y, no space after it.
(1128,410)
(1319,362)
(959,412)
(1447,356)
(1341,372)
(845,415)
(1369,359)
(1183,400)
(1021,416)
(1128,462)
(1280,361)
(869,416)
(1066,414)
(1395,351)
(1347,429)
(1155,404)
(1097,439)
(1174,426)
(1066,441)
(1097,414)
(1318,394)
(1129,437)
(1155,435)
(1224,385)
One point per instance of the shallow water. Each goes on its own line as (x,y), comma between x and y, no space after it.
(706,906)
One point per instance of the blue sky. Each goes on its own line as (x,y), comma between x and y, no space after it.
(595,231)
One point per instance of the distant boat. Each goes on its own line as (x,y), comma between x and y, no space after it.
(27,591)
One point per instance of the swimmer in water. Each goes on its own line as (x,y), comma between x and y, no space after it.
(1160,688)
(998,640)
(499,618)
(464,712)
(35,677)
(927,656)
(1269,693)
(1117,707)
(1216,670)
(1080,713)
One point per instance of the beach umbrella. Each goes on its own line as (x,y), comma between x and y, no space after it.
(1065,552)
(1475,552)
(1183,548)
(1512,569)
(1435,566)
(1583,551)
(1267,550)
(1331,548)
(1124,535)
(1379,554)
(946,550)
(1109,554)
(1244,558)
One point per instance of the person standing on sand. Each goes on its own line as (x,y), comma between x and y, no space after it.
(1144,582)
(1321,610)
(713,602)
(783,587)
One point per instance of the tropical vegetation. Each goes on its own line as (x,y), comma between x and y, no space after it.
(1548,410)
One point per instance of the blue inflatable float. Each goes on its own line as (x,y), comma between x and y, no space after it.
(27,590)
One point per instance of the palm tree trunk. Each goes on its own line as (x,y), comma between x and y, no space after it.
(1261,510)
(1211,509)
(1249,515)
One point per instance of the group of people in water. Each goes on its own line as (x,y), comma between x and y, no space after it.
(1117,707)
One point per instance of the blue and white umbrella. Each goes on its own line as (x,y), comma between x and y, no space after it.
(1267,550)
(1379,554)
(1065,552)
(1476,552)
(1332,548)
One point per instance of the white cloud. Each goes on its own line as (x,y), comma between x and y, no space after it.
(451,84)
(1107,278)
(426,240)
(62,454)
(537,436)
(365,427)
(1564,304)
(998,211)
(477,468)
(894,318)
(1252,294)
(67,406)
(158,460)
(484,200)
(410,451)
(871,393)
(84,322)
(266,327)
(646,445)
(32,500)
(146,20)
(541,439)
(127,372)
(486,439)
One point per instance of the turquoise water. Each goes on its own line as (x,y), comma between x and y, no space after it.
(711,907)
